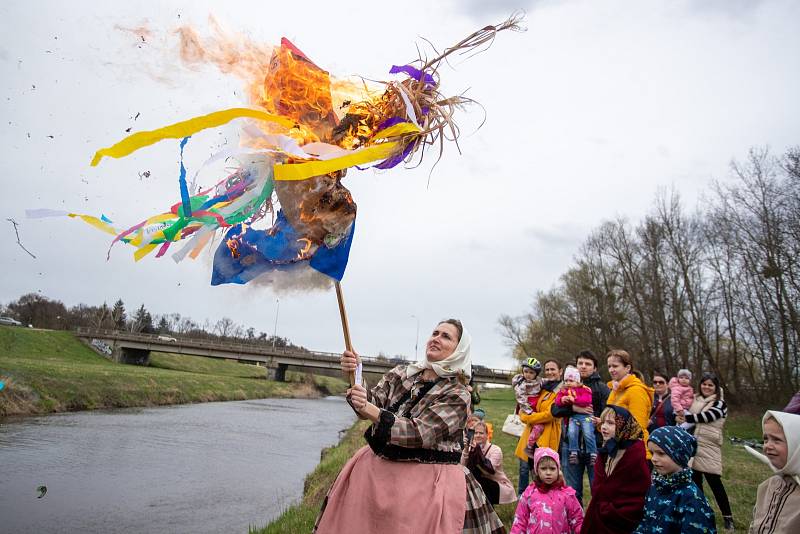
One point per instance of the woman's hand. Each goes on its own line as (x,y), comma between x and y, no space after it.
(680,418)
(358,397)
(349,362)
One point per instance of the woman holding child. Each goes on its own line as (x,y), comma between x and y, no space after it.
(707,414)
(551,426)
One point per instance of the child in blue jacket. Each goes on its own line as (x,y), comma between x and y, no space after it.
(674,504)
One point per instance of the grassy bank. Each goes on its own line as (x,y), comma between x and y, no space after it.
(741,475)
(52,371)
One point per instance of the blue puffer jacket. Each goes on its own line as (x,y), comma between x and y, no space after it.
(675,505)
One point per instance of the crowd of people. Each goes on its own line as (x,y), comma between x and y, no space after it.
(430,464)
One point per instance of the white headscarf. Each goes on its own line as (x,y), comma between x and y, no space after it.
(458,361)
(791,429)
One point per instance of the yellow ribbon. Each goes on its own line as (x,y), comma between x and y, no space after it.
(182,129)
(303,171)
(94,221)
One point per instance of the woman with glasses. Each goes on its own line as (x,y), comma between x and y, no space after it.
(708,414)
(662,413)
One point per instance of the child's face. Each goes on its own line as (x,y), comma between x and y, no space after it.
(547,471)
(661,460)
(571,383)
(608,428)
(684,380)
(775,446)
(528,374)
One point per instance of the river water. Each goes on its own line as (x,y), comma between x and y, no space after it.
(212,467)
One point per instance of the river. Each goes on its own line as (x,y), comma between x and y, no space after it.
(212,467)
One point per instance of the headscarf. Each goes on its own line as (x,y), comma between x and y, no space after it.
(626,434)
(676,442)
(457,362)
(791,429)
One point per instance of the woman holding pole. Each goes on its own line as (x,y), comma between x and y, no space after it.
(409,477)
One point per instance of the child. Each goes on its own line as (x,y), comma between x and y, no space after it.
(548,506)
(674,504)
(573,393)
(681,394)
(527,388)
(621,475)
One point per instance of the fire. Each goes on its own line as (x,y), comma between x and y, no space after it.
(233,246)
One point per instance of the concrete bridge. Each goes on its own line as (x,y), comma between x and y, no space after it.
(135,348)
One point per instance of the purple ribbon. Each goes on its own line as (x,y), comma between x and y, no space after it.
(414,73)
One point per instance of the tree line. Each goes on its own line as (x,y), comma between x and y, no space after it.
(714,289)
(42,312)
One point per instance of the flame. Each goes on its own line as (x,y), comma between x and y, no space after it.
(302,253)
(233,246)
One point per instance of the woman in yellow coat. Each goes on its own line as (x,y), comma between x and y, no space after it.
(551,434)
(628,391)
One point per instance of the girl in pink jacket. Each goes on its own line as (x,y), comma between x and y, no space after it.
(548,506)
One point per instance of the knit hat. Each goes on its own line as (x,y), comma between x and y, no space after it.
(479,413)
(685,372)
(542,452)
(676,442)
(572,373)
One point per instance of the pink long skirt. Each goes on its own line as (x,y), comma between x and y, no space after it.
(376,495)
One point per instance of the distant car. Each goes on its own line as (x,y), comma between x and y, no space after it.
(167,338)
(8,321)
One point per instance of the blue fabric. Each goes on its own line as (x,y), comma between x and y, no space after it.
(261,251)
(676,442)
(187,207)
(333,261)
(580,423)
(573,473)
(674,505)
(524,476)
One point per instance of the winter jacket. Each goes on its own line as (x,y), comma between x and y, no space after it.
(682,396)
(675,505)
(551,435)
(554,511)
(635,396)
(617,501)
(662,406)
(794,405)
(582,396)
(708,414)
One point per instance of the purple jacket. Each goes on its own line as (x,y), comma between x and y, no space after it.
(794,405)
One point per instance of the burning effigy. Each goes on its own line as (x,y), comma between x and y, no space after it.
(285,205)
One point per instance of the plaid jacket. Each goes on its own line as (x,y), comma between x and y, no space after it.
(436,422)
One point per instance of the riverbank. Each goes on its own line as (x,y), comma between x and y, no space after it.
(47,371)
(741,476)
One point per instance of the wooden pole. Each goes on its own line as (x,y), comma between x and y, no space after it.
(345,327)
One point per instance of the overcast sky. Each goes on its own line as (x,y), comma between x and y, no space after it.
(589,112)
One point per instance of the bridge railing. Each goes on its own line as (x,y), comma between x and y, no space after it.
(251,348)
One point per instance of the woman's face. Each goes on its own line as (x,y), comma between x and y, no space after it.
(660,385)
(552,371)
(707,388)
(617,369)
(480,435)
(608,427)
(775,446)
(442,343)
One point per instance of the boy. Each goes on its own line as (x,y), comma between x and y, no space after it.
(674,504)
(576,394)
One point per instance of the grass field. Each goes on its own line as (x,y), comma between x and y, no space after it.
(52,371)
(742,472)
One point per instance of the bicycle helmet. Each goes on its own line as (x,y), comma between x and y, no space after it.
(532,364)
